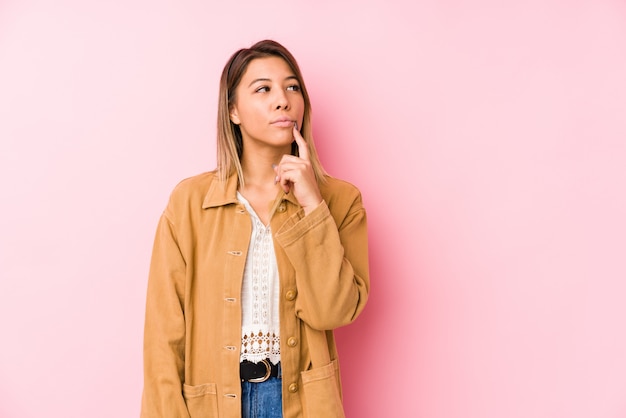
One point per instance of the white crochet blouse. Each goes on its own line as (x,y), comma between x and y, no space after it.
(260,329)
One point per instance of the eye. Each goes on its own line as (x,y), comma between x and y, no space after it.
(294,87)
(262,89)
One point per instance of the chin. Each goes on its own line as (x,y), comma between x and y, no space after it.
(281,140)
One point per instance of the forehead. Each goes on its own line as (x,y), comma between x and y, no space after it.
(271,68)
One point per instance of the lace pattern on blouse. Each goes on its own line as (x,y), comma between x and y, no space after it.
(260,333)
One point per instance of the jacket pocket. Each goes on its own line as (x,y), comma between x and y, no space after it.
(201,400)
(321,389)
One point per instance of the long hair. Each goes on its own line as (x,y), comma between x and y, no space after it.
(229,140)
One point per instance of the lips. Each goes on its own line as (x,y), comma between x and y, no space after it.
(283,122)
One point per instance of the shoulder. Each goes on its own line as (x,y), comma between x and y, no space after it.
(341,195)
(191,191)
(334,187)
(197,183)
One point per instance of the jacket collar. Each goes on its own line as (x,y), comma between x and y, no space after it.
(222,193)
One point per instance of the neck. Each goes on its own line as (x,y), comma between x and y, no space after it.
(257,166)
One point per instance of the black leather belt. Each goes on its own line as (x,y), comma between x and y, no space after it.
(258,372)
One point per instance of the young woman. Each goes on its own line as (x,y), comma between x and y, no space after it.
(252,260)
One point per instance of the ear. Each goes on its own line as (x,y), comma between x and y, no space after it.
(234,115)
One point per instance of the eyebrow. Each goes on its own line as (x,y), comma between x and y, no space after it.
(291,77)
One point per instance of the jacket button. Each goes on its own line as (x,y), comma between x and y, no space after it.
(293,388)
(290,294)
(282,207)
(292,342)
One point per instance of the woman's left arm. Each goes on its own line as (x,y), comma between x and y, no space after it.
(328,250)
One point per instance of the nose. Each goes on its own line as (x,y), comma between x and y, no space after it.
(282,101)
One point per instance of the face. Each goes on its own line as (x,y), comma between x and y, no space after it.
(268,101)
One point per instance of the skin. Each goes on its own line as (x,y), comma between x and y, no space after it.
(268,108)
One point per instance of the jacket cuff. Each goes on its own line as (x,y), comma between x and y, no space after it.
(298,224)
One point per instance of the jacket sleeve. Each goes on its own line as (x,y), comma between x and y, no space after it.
(164,334)
(330,257)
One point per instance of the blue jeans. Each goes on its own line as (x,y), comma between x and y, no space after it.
(262,400)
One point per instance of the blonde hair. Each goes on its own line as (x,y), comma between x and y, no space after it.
(229,140)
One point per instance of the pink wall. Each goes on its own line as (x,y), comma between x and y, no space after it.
(489,142)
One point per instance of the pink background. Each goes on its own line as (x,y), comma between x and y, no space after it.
(488,139)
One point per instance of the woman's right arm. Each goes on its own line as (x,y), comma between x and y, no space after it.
(164,334)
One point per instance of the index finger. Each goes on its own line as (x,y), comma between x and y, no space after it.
(303,147)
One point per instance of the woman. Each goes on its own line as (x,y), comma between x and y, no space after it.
(252,260)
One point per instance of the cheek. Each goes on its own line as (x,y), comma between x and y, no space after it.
(301,107)
(249,113)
